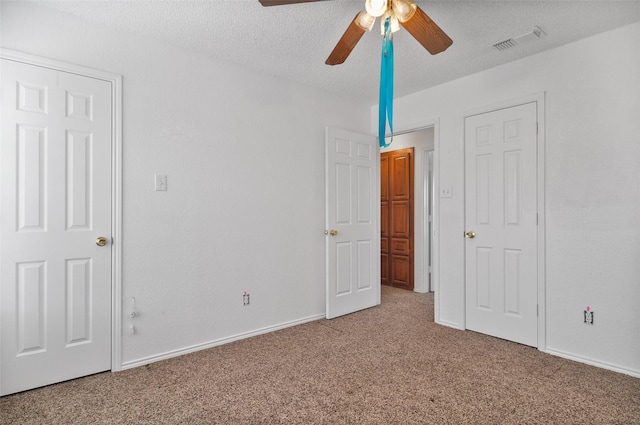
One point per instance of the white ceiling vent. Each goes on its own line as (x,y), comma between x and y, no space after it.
(505,44)
(530,35)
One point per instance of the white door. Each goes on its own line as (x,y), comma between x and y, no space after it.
(501,223)
(352,223)
(55,290)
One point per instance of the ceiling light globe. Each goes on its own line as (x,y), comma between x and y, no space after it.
(403,9)
(366,21)
(376,7)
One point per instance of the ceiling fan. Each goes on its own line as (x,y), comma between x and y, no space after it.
(393,13)
(400,12)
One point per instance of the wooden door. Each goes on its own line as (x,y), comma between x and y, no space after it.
(56,201)
(396,215)
(353,280)
(501,223)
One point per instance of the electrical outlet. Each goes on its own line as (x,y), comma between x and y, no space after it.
(588,316)
(445,191)
(245,298)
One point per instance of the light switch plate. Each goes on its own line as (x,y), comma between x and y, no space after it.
(161,182)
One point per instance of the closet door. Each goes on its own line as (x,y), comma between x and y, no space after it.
(397,218)
(55,202)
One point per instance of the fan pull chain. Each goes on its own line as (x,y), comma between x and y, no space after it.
(386,85)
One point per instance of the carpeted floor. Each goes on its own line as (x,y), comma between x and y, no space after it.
(387,365)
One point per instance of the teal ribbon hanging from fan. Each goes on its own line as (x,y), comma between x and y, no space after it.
(386,86)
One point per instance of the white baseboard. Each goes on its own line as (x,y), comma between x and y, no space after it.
(186,350)
(592,362)
(450,324)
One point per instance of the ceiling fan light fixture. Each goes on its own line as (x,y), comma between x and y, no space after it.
(376,8)
(366,21)
(403,9)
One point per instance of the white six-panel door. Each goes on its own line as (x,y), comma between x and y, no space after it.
(55,196)
(352,223)
(501,223)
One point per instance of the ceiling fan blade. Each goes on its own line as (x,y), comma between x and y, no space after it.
(282,2)
(427,32)
(348,41)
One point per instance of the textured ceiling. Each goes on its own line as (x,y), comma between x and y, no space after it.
(292,42)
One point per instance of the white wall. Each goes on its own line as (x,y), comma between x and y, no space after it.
(592,188)
(421,140)
(244,210)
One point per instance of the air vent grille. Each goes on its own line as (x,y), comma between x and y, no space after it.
(532,34)
(505,44)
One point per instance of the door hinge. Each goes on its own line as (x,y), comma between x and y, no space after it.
(537,219)
(537,310)
(537,130)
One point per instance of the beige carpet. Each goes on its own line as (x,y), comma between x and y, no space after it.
(387,365)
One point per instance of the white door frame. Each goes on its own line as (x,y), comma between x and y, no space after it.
(116,183)
(539,99)
(427,197)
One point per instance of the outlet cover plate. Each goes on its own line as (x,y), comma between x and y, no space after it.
(588,317)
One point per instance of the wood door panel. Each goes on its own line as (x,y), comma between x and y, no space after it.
(384,268)
(401,177)
(400,219)
(400,246)
(384,245)
(401,271)
(384,178)
(396,214)
(384,219)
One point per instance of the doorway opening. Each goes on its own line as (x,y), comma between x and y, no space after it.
(422,142)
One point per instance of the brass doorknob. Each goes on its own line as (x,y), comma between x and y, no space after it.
(470,235)
(331,232)
(101,241)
